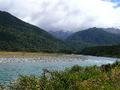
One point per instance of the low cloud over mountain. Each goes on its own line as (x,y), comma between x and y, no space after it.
(65,14)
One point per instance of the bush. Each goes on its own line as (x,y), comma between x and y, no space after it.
(106,77)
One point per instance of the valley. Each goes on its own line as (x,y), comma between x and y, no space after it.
(19,36)
(27,50)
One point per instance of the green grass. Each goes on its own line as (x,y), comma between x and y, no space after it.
(105,77)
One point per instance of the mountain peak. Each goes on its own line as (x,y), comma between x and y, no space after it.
(3,12)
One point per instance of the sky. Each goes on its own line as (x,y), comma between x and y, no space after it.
(68,15)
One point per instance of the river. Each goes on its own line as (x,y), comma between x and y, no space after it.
(11,68)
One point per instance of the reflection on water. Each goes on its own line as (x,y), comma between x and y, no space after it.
(11,68)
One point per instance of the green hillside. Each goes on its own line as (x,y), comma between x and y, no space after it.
(92,37)
(16,35)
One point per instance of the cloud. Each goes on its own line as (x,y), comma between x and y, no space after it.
(65,14)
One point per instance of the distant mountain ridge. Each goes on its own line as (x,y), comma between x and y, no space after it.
(113,30)
(60,34)
(17,35)
(93,37)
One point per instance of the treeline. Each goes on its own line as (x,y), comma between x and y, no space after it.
(15,40)
(113,51)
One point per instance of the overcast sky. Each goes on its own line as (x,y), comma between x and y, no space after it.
(65,14)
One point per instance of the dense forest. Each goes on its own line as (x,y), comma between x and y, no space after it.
(92,37)
(113,50)
(16,35)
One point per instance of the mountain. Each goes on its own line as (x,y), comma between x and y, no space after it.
(60,34)
(113,30)
(92,37)
(17,35)
(113,51)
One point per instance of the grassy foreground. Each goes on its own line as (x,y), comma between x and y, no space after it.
(106,77)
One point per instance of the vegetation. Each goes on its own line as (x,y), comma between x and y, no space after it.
(16,35)
(92,37)
(113,51)
(105,77)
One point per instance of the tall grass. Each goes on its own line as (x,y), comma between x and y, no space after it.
(105,77)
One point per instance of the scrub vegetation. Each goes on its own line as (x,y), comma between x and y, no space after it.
(105,77)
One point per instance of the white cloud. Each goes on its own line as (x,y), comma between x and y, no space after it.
(65,14)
